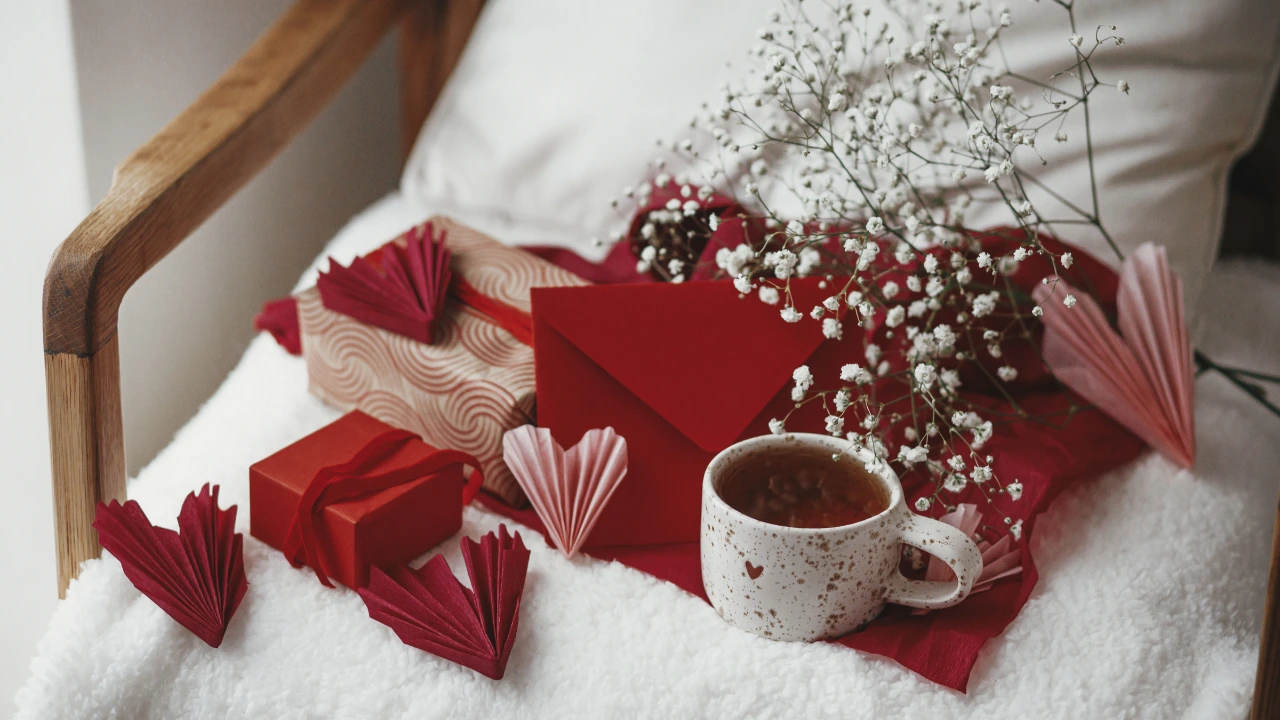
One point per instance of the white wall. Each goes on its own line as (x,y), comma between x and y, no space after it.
(136,64)
(42,197)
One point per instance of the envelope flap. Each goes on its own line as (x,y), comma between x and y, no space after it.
(700,356)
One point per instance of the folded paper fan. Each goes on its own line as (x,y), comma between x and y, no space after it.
(405,297)
(1142,376)
(999,559)
(196,574)
(429,609)
(567,489)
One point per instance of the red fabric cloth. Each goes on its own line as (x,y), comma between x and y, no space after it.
(1046,457)
(280,318)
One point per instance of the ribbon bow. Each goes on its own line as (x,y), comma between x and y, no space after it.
(350,481)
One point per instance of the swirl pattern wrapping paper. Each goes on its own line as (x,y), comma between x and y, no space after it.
(461,392)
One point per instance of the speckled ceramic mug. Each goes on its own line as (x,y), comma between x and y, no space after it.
(789,583)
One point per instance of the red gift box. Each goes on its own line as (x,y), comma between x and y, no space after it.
(395,497)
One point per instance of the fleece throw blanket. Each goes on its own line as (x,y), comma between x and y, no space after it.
(1148,605)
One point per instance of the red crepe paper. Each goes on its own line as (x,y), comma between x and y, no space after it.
(429,609)
(406,297)
(196,574)
(598,358)
(280,318)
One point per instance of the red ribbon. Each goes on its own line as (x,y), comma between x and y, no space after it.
(513,320)
(350,481)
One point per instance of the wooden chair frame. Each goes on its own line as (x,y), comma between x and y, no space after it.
(173,183)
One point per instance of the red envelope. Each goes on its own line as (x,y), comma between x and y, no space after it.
(603,358)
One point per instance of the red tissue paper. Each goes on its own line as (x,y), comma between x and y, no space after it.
(595,348)
(358,493)
(280,318)
(196,574)
(406,296)
(429,609)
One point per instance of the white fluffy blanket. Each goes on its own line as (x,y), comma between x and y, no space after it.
(1149,602)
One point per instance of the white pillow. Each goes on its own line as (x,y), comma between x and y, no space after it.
(555,106)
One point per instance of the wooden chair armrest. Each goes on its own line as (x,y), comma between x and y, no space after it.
(158,196)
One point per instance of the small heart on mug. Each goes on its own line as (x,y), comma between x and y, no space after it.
(753,571)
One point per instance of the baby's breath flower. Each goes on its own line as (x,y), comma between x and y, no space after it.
(923,504)
(791,315)
(895,317)
(835,425)
(743,284)
(1069,301)
(769,295)
(1067,259)
(802,377)
(984,305)
(872,353)
(925,375)
(831,329)
(855,373)
(776,426)
(842,400)
(1014,489)
(1007,373)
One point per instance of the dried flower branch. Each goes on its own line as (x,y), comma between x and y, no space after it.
(862,142)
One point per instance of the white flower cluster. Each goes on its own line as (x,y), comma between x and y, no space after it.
(862,142)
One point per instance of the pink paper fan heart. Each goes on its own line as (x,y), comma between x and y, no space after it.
(1141,376)
(567,489)
(999,559)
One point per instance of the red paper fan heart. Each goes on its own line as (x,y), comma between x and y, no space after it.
(405,297)
(196,574)
(429,609)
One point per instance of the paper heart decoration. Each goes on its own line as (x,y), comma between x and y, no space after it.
(1141,376)
(196,574)
(567,489)
(999,559)
(429,609)
(406,296)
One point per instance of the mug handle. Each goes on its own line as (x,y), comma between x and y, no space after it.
(947,544)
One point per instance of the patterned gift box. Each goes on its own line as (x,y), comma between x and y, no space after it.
(461,392)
